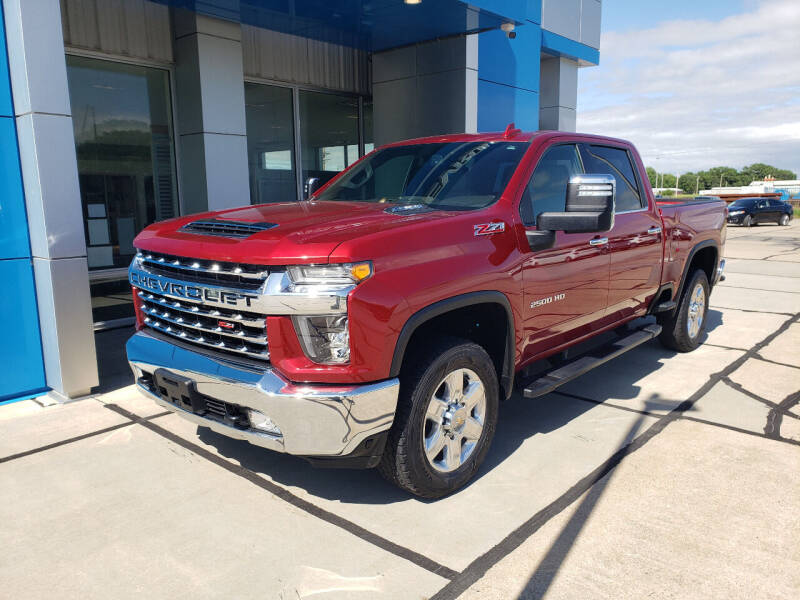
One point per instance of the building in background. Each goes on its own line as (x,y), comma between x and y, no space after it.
(116,114)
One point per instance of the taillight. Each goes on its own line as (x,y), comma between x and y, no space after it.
(137,307)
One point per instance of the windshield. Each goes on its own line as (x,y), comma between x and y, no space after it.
(446,176)
(743,203)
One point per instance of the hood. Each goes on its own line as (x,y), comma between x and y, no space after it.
(290,232)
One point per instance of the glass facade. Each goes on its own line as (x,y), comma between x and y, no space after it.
(328,134)
(122,120)
(270,143)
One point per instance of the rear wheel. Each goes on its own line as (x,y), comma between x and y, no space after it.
(445,420)
(683,330)
(784,220)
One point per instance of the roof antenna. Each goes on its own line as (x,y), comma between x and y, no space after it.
(511,131)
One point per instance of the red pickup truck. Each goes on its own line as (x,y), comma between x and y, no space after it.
(381,321)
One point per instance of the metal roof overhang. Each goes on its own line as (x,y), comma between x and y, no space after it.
(371,25)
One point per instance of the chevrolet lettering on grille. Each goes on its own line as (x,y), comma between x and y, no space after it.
(175,289)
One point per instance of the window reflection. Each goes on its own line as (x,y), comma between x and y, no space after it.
(328,133)
(270,143)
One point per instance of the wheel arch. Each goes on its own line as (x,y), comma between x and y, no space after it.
(704,255)
(452,306)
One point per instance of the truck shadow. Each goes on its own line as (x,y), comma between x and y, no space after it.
(520,419)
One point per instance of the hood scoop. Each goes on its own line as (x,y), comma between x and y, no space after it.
(229,229)
(409,209)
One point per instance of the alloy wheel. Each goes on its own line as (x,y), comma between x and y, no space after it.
(454,420)
(697,311)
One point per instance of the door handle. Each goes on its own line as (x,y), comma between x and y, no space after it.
(598,241)
(654,231)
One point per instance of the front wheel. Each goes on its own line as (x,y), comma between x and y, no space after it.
(445,420)
(747,221)
(682,330)
(784,220)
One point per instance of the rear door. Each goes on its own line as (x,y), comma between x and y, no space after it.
(763,212)
(635,242)
(566,286)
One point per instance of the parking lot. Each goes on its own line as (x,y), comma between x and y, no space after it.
(658,475)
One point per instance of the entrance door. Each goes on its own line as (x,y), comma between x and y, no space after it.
(635,242)
(565,287)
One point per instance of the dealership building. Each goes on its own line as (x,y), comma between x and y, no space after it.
(115,114)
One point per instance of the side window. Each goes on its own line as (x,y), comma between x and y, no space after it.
(616,162)
(547,189)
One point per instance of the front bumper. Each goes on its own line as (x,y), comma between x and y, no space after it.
(314,420)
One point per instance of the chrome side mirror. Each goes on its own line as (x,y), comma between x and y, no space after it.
(311,185)
(589,206)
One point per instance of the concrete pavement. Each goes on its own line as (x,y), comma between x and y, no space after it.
(658,475)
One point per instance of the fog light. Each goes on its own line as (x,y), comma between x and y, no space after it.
(325,339)
(262,422)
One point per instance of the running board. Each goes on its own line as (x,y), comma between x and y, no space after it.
(583,364)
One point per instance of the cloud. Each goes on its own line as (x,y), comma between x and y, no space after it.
(693,94)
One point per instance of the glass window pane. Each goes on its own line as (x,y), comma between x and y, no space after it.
(328,127)
(122,121)
(547,190)
(369,135)
(270,143)
(614,161)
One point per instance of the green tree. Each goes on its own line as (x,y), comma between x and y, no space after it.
(651,175)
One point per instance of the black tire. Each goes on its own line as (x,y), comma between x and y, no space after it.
(675,334)
(747,221)
(784,220)
(404,461)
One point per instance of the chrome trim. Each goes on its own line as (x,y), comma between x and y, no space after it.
(720,274)
(314,419)
(167,329)
(196,308)
(598,241)
(654,231)
(272,298)
(191,265)
(167,316)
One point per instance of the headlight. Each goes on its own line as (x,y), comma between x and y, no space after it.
(328,276)
(733,213)
(324,339)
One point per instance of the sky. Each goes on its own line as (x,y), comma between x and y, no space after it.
(698,84)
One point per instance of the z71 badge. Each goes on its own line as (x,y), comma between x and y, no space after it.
(489,228)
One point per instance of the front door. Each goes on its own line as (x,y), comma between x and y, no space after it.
(566,286)
(635,242)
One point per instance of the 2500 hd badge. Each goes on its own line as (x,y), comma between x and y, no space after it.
(548,300)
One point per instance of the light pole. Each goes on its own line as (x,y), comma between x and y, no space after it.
(677,178)
(697,187)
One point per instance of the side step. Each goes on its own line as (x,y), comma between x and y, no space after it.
(583,364)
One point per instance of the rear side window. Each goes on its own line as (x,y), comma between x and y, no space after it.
(616,162)
(547,189)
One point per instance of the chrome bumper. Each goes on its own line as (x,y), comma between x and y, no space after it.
(720,274)
(314,419)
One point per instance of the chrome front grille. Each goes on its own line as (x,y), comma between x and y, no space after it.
(196,270)
(226,330)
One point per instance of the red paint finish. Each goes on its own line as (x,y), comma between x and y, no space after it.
(421,259)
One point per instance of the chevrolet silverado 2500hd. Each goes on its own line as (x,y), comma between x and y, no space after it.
(380,321)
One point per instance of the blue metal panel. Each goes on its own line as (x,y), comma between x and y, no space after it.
(374,26)
(6,107)
(21,363)
(511,62)
(21,368)
(499,105)
(558,45)
(13,222)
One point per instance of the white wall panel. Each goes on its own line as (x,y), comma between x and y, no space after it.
(273,55)
(135,28)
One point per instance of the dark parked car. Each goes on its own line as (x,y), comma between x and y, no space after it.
(752,211)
